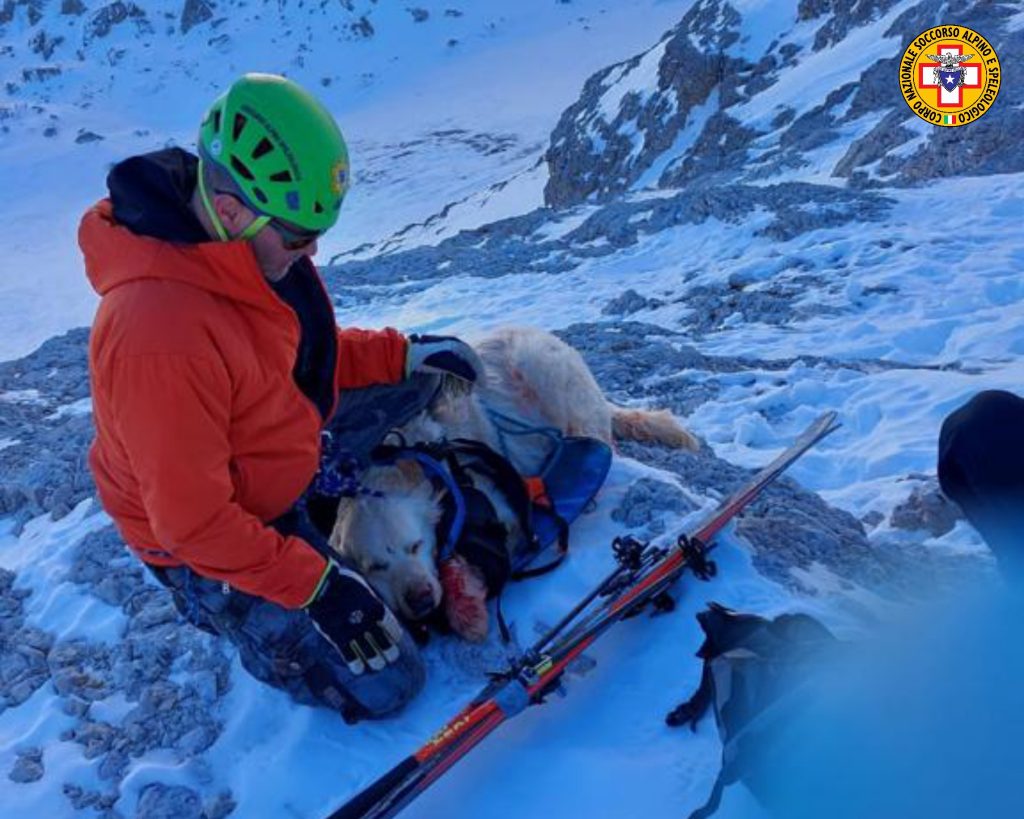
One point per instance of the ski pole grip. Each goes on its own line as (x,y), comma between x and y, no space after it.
(369,798)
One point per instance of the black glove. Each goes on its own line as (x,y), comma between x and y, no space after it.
(443,355)
(354,620)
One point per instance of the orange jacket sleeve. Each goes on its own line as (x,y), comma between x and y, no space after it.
(368,357)
(172,417)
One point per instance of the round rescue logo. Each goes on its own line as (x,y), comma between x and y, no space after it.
(949,75)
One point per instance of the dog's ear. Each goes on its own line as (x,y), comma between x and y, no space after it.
(342,524)
(399,477)
(411,472)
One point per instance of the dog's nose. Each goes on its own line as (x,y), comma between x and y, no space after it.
(419,600)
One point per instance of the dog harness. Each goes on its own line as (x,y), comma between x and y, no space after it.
(544,505)
(469,524)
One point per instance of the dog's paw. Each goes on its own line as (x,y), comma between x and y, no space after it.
(465,599)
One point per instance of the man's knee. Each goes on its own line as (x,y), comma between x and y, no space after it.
(284,649)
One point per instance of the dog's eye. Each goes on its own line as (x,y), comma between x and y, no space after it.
(378,566)
(415,548)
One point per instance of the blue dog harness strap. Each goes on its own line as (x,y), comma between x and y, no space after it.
(421,453)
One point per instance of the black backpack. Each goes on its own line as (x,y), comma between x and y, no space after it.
(753,667)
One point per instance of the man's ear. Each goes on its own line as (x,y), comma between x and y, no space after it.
(233,214)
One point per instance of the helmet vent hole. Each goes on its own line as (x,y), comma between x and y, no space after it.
(281,176)
(260,195)
(318,208)
(216,121)
(240,122)
(241,169)
(264,147)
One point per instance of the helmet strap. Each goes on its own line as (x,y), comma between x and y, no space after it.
(255,226)
(218,226)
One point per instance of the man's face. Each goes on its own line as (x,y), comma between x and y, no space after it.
(274,254)
(273,257)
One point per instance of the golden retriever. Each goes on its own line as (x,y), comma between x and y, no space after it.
(530,374)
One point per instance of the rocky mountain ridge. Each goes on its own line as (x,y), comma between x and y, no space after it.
(722,99)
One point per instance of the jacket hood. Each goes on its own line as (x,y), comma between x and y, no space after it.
(146,230)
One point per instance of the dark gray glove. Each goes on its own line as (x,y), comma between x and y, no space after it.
(355,621)
(443,355)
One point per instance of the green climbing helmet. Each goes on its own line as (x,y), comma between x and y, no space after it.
(281,147)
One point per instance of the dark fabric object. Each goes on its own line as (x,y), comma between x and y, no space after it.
(283,648)
(151,196)
(981,468)
(315,359)
(483,540)
(366,415)
(752,670)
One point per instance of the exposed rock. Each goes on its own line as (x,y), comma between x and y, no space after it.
(40,74)
(605,140)
(845,15)
(194,13)
(44,45)
(362,28)
(628,303)
(114,14)
(46,470)
(222,805)
(159,801)
(85,136)
(23,649)
(927,509)
(28,767)
(888,134)
(872,519)
(81,799)
(33,10)
(419,15)
(646,503)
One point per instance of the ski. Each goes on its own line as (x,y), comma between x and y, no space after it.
(641,577)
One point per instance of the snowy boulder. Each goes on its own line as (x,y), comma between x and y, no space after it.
(158,801)
(927,509)
(28,767)
(647,502)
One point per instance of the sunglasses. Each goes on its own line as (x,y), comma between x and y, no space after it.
(293,238)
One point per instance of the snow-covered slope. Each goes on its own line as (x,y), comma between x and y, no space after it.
(448,112)
(710,239)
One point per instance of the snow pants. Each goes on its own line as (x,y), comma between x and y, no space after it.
(981,467)
(280,646)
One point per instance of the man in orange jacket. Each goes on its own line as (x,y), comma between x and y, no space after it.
(216,365)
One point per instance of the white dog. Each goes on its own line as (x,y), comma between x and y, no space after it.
(529,374)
